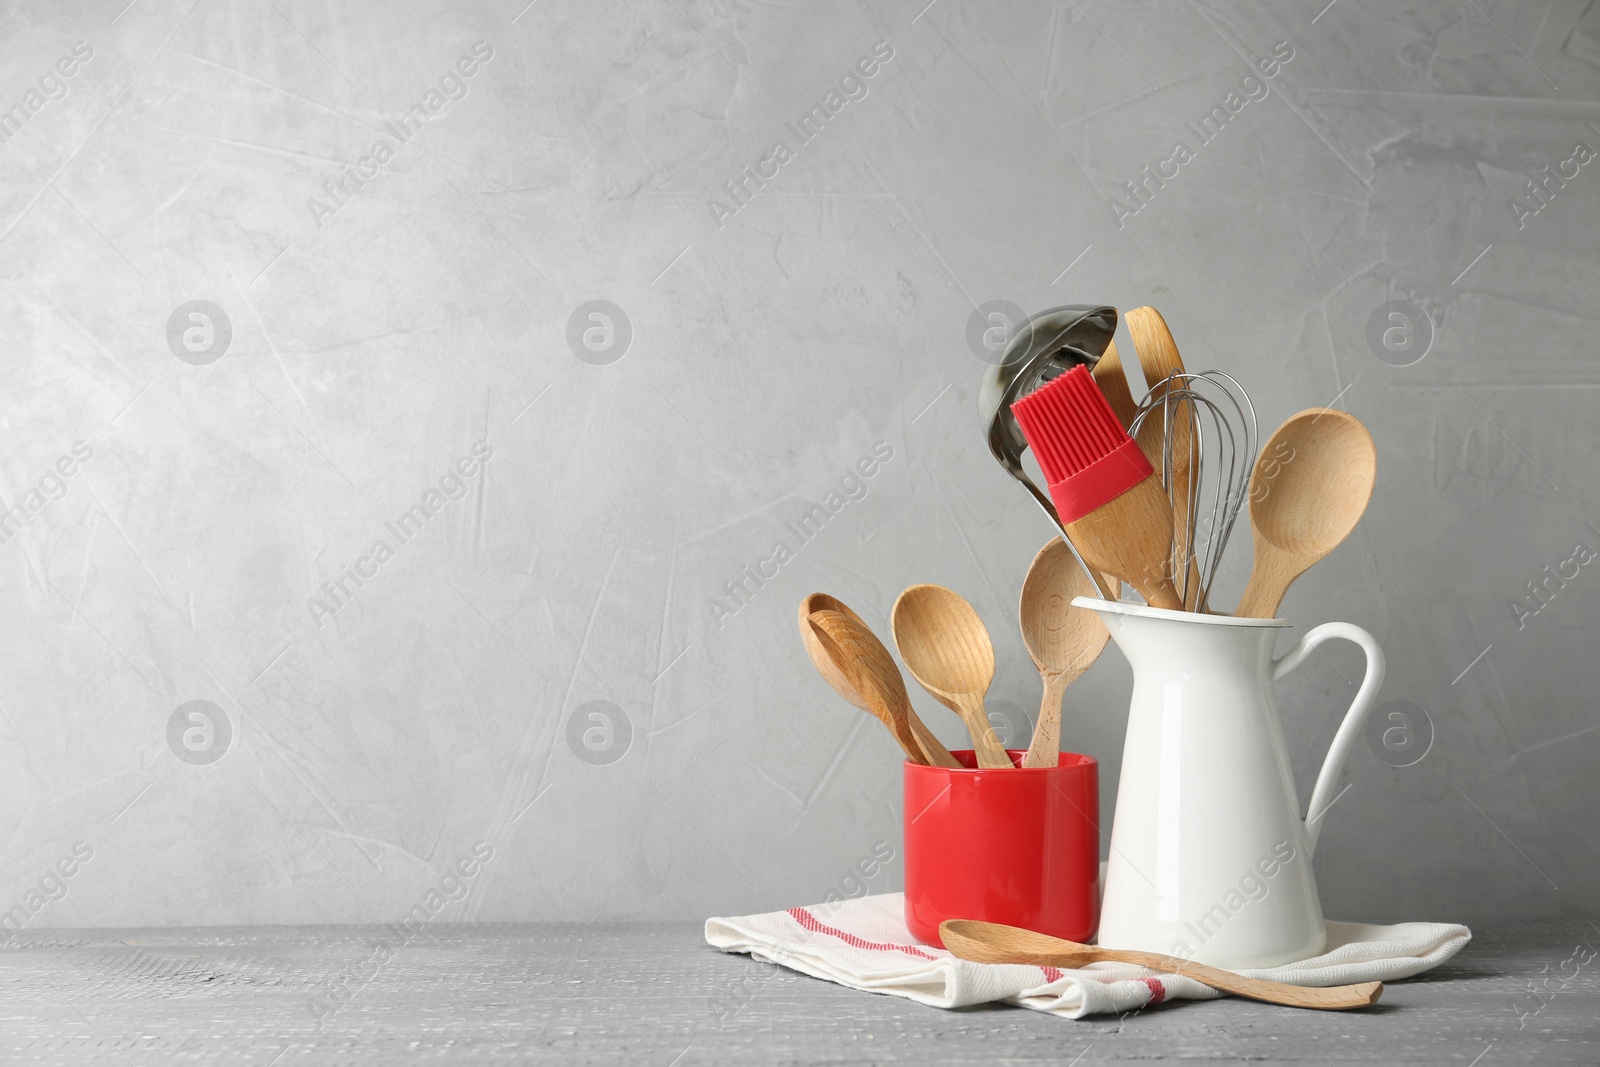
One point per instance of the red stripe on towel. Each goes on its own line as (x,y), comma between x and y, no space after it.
(810,922)
(1051,974)
(1158,992)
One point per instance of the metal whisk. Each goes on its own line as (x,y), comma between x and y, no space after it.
(1207,428)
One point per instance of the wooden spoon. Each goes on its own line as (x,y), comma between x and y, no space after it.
(868,678)
(1158,358)
(946,648)
(937,755)
(819,658)
(982,942)
(1310,487)
(1063,640)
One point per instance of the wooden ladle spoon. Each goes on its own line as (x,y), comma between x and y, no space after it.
(867,677)
(1063,640)
(946,648)
(981,942)
(1310,487)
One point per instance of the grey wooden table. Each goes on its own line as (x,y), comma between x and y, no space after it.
(656,994)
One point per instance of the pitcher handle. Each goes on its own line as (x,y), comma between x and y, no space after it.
(1353,718)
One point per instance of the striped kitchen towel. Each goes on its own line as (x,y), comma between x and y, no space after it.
(864,944)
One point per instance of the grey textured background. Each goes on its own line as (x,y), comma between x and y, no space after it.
(771,349)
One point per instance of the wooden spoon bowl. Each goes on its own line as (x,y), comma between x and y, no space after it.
(819,656)
(877,682)
(946,648)
(1310,487)
(856,664)
(1062,640)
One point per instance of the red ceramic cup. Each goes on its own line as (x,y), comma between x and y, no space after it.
(1005,845)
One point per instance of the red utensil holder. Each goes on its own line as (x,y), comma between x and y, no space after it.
(1005,845)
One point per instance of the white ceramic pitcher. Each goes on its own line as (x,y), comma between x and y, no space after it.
(1210,859)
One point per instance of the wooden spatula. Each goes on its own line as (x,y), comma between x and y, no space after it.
(1113,382)
(1158,358)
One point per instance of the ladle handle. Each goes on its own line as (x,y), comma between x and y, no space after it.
(1321,795)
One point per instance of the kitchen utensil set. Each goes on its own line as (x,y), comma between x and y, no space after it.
(1150,494)
(1144,493)
(947,649)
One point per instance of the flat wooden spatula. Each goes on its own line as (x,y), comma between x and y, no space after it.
(982,942)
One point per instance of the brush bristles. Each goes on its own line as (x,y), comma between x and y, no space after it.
(1069,424)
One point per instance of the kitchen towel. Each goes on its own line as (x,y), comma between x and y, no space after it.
(863,943)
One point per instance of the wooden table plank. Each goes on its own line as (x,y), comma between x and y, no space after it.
(656,994)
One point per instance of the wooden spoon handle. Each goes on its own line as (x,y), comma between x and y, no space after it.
(906,741)
(984,942)
(1045,748)
(985,745)
(903,735)
(936,755)
(1328,998)
(854,652)
(1269,581)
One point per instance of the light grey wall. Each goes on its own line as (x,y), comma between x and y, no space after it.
(376,739)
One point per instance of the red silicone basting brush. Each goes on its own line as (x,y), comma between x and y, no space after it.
(1110,502)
